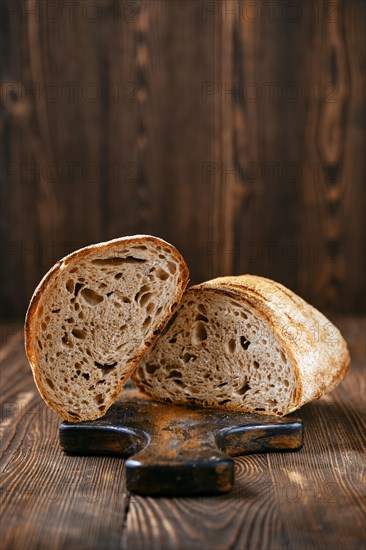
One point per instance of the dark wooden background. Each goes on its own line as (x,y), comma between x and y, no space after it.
(235,130)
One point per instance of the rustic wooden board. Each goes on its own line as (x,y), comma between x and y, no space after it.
(176,450)
(146,137)
(314,498)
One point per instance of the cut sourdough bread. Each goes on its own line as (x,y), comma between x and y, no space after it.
(94,315)
(244,343)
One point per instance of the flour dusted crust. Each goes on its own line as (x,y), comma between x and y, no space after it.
(245,343)
(94,315)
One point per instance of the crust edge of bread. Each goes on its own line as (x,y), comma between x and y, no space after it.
(48,277)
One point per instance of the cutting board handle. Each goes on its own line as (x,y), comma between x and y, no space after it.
(176,461)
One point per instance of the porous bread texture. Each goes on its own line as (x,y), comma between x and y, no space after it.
(244,343)
(94,315)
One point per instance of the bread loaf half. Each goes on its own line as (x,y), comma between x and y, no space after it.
(94,315)
(244,343)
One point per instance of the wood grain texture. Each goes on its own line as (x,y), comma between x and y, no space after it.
(314,498)
(332,195)
(48,499)
(233,130)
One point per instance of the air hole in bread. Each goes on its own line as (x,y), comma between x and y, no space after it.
(161,274)
(244,389)
(170,367)
(150,307)
(256,364)
(79,333)
(201,317)
(74,415)
(283,357)
(231,345)
(99,398)
(118,276)
(150,368)
(109,293)
(147,322)
(91,297)
(159,310)
(143,290)
(244,342)
(199,333)
(224,401)
(172,341)
(118,261)
(189,357)
(259,409)
(40,344)
(178,382)
(70,286)
(66,341)
(78,286)
(222,384)
(86,375)
(105,366)
(145,298)
(172,267)
(55,310)
(175,373)
(50,383)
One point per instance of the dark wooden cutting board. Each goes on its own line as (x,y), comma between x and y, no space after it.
(176,450)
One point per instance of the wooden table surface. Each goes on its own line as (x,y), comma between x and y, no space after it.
(310,499)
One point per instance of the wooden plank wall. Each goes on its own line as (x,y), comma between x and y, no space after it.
(233,129)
